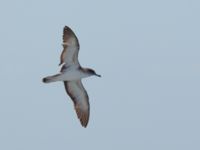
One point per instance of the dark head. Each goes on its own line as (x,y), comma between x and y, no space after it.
(92,72)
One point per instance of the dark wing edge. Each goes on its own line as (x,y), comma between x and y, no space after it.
(80,101)
(67,34)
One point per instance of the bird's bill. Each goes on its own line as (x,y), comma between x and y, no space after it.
(97,75)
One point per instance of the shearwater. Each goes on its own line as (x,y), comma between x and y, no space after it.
(71,74)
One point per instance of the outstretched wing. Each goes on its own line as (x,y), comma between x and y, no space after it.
(80,98)
(70,51)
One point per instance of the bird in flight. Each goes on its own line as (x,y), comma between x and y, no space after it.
(71,74)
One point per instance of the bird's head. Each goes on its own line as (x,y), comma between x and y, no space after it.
(92,72)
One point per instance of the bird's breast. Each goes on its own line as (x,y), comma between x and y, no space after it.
(74,74)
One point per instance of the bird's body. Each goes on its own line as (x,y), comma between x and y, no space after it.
(71,74)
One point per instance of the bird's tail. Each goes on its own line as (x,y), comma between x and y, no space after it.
(50,79)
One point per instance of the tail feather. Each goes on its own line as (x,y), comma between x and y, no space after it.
(49,79)
(46,80)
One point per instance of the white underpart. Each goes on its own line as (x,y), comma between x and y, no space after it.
(73,74)
(70,74)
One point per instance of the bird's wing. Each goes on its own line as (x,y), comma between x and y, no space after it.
(70,51)
(80,98)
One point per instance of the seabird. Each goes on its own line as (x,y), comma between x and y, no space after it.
(71,74)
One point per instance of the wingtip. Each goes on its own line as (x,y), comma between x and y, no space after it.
(84,124)
(83,117)
(66,28)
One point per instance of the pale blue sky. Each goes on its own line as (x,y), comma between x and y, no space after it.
(148,53)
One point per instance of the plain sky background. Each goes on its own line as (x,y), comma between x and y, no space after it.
(148,53)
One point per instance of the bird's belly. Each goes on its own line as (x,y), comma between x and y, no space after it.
(73,75)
